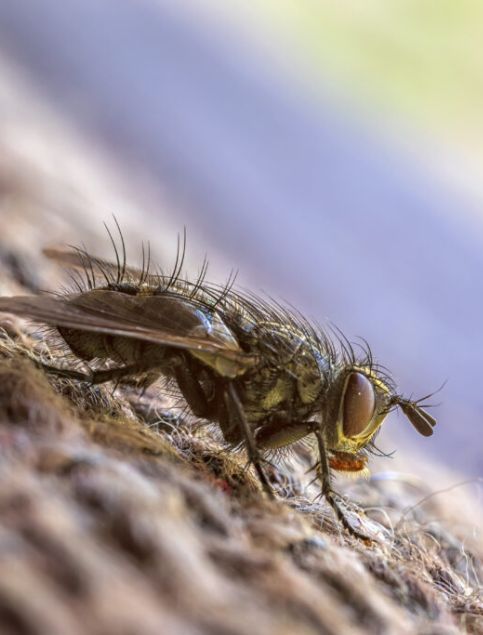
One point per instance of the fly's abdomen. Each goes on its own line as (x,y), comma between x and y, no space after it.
(89,346)
(83,344)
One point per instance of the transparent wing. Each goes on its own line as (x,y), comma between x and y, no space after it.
(163,320)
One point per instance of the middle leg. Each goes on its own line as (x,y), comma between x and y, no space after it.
(235,411)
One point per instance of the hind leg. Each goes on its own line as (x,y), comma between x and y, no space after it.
(97,376)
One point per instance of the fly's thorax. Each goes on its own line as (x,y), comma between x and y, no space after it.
(356,404)
(222,365)
(286,348)
(290,377)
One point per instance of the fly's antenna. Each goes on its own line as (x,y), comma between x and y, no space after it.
(397,400)
(415,411)
(421,400)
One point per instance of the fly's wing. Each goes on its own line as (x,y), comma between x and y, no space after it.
(163,320)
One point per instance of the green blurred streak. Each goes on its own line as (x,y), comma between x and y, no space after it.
(417,58)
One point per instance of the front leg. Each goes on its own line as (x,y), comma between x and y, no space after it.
(327,491)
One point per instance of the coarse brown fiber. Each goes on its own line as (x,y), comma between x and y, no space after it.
(116,516)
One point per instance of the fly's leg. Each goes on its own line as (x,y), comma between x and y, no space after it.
(97,376)
(191,389)
(201,407)
(235,409)
(117,374)
(65,372)
(327,491)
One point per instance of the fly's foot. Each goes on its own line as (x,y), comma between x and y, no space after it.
(322,471)
(335,500)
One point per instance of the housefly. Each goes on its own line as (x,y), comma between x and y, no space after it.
(259,370)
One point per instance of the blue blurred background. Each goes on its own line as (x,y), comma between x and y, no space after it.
(330,151)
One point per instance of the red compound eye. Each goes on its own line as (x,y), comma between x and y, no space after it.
(358,405)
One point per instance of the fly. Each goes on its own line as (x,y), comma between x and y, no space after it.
(264,374)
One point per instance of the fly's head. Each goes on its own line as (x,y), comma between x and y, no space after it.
(360,400)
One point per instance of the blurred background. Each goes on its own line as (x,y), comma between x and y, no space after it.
(330,151)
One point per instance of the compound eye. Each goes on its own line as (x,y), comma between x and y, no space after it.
(358,405)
